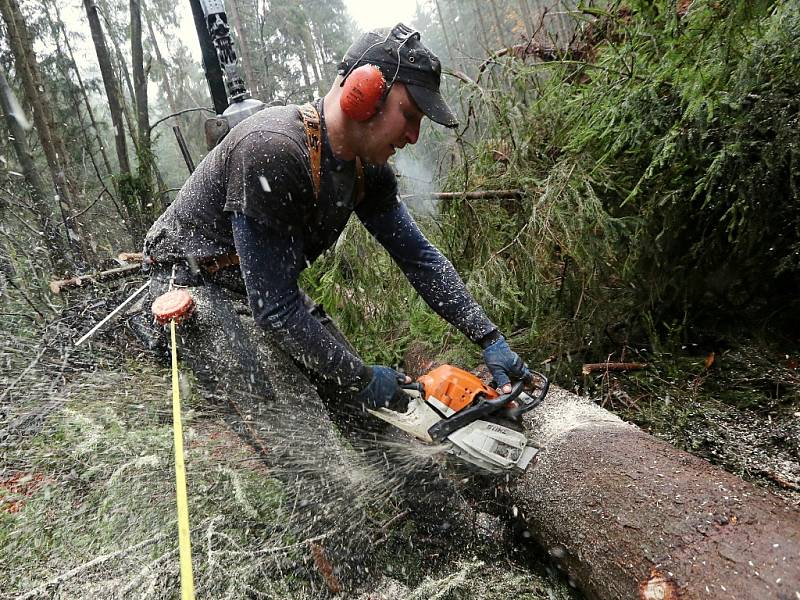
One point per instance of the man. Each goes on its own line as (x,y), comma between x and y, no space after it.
(279,189)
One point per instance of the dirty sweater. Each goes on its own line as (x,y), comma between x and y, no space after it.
(253,194)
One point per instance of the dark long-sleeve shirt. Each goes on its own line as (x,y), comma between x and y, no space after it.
(271,265)
(253,194)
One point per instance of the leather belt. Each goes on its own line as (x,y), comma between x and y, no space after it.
(213,264)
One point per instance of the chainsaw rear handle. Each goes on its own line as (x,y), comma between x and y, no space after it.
(445,427)
(484,408)
(414,386)
(517,390)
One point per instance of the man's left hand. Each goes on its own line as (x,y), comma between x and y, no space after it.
(505,365)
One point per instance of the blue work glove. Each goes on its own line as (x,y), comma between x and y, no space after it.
(504,364)
(383,390)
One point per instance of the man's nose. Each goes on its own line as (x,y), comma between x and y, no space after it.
(412,134)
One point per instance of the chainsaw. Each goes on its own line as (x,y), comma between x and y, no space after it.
(479,426)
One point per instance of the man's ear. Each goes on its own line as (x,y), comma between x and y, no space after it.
(363,92)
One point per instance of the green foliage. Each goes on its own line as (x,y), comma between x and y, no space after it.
(699,144)
(295,46)
(137,196)
(660,172)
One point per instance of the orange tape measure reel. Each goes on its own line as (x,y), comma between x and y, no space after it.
(176,304)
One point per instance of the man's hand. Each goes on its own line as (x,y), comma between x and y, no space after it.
(504,364)
(383,390)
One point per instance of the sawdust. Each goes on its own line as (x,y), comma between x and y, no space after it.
(563,412)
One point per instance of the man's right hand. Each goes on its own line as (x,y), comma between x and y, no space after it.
(383,389)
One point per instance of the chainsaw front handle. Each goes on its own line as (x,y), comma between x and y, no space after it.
(504,399)
(535,401)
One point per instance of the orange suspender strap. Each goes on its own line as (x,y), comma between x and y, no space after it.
(314,142)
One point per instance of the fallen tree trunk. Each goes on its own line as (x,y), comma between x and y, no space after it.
(627,515)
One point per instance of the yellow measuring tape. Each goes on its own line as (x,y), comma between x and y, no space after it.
(184,542)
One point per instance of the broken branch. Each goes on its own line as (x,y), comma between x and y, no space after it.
(612,366)
(61,284)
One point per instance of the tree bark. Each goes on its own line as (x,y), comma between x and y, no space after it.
(525,15)
(497,22)
(123,74)
(36,187)
(139,77)
(110,83)
(484,33)
(627,515)
(144,153)
(173,104)
(311,55)
(304,68)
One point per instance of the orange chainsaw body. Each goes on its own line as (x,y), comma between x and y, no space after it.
(454,387)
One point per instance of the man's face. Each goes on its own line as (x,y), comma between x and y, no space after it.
(395,125)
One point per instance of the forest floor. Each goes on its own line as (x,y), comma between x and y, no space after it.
(87,501)
(87,490)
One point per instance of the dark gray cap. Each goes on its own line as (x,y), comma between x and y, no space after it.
(401,56)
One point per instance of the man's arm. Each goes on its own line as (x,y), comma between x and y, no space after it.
(431,274)
(434,277)
(271,261)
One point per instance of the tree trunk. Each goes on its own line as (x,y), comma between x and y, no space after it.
(444,32)
(627,515)
(36,187)
(525,15)
(498,23)
(123,74)
(181,120)
(28,71)
(59,25)
(110,83)
(139,77)
(304,68)
(143,152)
(173,104)
(484,33)
(311,55)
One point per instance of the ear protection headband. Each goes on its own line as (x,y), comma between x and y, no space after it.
(364,87)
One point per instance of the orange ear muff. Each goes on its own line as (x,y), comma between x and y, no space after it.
(363,92)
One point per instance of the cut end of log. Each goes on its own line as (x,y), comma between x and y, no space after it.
(658,587)
(57,286)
